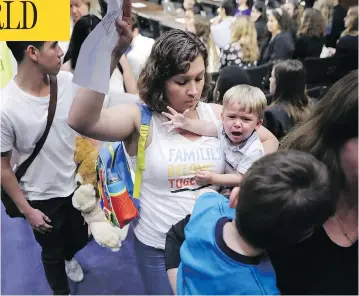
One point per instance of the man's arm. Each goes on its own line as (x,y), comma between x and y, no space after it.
(129,79)
(10,184)
(36,218)
(172,277)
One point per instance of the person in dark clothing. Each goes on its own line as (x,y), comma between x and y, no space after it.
(310,40)
(259,17)
(348,42)
(279,44)
(290,102)
(336,27)
(327,262)
(293,9)
(311,33)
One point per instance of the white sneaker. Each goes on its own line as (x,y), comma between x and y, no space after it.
(74,270)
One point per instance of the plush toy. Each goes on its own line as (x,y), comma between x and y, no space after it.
(86,199)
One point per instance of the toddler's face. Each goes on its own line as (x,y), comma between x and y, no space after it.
(239,123)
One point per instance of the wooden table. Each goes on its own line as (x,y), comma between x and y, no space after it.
(155,12)
(212,2)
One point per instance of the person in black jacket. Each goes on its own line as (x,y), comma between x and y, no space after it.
(310,35)
(279,43)
(336,26)
(259,17)
(348,42)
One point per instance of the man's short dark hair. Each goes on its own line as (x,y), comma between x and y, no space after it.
(228,7)
(18,48)
(283,197)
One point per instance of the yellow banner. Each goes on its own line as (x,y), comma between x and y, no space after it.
(35,20)
(5,65)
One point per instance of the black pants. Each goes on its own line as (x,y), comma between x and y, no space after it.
(68,235)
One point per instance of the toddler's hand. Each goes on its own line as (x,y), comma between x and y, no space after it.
(176,120)
(204,177)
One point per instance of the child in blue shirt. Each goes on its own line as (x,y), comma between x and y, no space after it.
(282,198)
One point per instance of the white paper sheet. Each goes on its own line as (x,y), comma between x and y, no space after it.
(138,5)
(94,61)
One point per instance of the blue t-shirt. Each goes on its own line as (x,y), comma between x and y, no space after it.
(209,266)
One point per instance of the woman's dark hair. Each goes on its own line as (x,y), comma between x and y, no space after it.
(313,24)
(81,30)
(330,125)
(170,55)
(283,18)
(292,194)
(290,78)
(250,4)
(228,7)
(260,6)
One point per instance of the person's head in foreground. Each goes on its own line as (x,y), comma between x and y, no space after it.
(282,198)
(175,73)
(243,111)
(43,57)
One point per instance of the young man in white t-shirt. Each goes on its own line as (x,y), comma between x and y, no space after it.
(44,193)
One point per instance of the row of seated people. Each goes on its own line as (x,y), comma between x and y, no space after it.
(290,97)
(248,41)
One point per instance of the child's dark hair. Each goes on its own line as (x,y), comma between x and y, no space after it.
(283,197)
(18,48)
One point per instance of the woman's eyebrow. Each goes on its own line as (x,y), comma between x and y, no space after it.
(189,76)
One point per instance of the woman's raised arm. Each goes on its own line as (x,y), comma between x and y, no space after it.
(88,118)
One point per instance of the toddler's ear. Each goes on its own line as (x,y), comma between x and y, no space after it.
(259,123)
(233,198)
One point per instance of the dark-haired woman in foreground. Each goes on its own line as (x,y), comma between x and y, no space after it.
(327,261)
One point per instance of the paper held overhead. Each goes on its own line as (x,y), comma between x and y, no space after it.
(94,61)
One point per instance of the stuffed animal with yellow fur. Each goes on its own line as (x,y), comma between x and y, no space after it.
(86,199)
